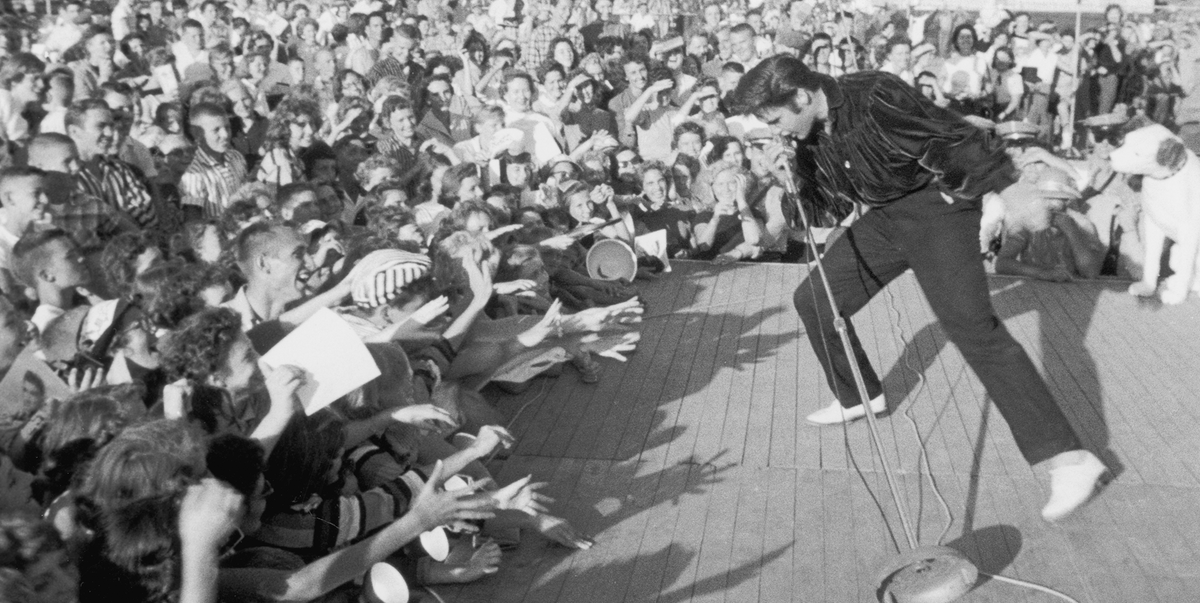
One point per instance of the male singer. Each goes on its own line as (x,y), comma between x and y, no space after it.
(923,171)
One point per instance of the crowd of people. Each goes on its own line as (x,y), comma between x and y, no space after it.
(183,184)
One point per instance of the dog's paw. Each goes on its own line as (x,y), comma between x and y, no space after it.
(1173,295)
(1142,289)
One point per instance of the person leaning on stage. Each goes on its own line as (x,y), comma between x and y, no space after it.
(923,171)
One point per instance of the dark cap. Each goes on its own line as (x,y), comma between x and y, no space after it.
(773,83)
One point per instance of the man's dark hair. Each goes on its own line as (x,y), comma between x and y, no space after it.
(288,192)
(339,33)
(773,83)
(191,24)
(28,255)
(606,44)
(635,58)
(113,87)
(519,75)
(77,114)
(743,28)
(127,42)
(206,109)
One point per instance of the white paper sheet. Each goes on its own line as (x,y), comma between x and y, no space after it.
(655,244)
(333,358)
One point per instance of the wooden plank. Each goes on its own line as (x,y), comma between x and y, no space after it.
(779,545)
(760,432)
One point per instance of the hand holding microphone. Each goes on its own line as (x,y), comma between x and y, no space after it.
(781,154)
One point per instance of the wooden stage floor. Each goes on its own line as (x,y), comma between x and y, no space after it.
(694,469)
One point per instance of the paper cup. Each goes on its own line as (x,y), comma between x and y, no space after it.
(384,584)
(610,260)
(436,544)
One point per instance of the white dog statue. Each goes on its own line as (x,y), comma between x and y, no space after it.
(1170,208)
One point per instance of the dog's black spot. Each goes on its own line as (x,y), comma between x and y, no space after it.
(1171,154)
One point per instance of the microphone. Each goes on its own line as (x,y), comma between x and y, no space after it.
(789,179)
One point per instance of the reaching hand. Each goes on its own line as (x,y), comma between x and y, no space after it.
(430,311)
(425,416)
(522,496)
(491,438)
(549,325)
(601,194)
(780,157)
(560,242)
(510,287)
(433,507)
(282,384)
(725,208)
(661,84)
(81,381)
(576,81)
(614,347)
(208,514)
(479,277)
(597,319)
(351,115)
(562,532)
(496,233)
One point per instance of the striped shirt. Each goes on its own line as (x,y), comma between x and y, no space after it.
(390,66)
(210,181)
(118,185)
(88,219)
(336,522)
(280,166)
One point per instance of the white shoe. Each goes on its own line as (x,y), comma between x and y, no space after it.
(836,413)
(1071,486)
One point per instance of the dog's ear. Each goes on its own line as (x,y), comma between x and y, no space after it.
(1171,154)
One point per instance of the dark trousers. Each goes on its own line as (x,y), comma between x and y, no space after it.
(940,242)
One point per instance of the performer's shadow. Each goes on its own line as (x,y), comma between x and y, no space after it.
(1065,313)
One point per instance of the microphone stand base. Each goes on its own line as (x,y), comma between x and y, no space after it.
(928,574)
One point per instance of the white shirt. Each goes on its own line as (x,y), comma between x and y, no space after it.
(500,10)
(1045,63)
(964,75)
(44,315)
(55,122)
(63,36)
(904,74)
(120,20)
(366,7)
(184,57)
(540,141)
(7,241)
(15,128)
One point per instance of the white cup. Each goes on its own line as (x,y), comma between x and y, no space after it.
(384,584)
(436,544)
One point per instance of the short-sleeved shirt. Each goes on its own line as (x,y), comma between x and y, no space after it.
(654,133)
(210,181)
